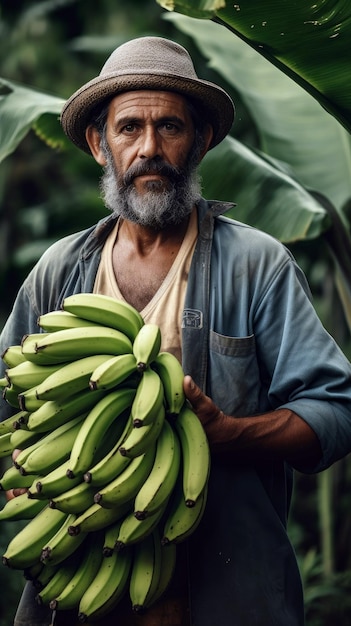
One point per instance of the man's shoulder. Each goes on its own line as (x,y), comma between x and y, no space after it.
(62,258)
(80,242)
(251,238)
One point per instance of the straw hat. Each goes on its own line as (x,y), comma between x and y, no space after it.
(147,63)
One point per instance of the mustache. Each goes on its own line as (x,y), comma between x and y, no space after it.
(151,166)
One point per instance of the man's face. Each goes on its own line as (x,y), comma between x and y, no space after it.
(151,158)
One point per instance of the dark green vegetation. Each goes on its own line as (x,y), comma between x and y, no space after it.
(284,143)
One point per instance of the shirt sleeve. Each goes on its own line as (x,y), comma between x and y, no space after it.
(302,365)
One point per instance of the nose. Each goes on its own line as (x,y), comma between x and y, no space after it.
(149,144)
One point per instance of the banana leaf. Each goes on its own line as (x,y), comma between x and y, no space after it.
(20,108)
(290,125)
(310,42)
(265,195)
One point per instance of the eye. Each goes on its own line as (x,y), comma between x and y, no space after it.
(169,128)
(129,128)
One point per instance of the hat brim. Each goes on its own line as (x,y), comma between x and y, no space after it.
(212,100)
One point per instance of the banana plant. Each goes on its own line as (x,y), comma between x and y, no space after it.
(20,109)
(296,136)
(307,41)
(276,188)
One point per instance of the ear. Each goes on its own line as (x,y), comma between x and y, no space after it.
(207,137)
(93,138)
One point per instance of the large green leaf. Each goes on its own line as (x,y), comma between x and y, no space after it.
(265,196)
(308,41)
(290,124)
(20,107)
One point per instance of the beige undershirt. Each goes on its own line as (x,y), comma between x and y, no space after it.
(166,306)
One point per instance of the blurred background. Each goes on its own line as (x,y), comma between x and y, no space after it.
(54,46)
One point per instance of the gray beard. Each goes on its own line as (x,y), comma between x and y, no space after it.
(159,206)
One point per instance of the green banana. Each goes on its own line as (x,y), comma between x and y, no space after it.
(59,320)
(21,420)
(45,459)
(70,378)
(50,450)
(29,345)
(168,563)
(112,463)
(74,500)
(106,311)
(148,398)
(28,400)
(22,438)
(20,508)
(101,416)
(146,571)
(195,454)
(6,447)
(163,476)
(113,372)
(53,484)
(57,482)
(4,382)
(25,452)
(61,544)
(10,424)
(96,518)
(172,376)
(181,520)
(32,573)
(28,374)
(43,576)
(110,536)
(13,479)
(133,530)
(13,356)
(85,341)
(125,486)
(107,588)
(140,439)
(84,575)
(25,547)
(54,413)
(146,345)
(10,394)
(58,581)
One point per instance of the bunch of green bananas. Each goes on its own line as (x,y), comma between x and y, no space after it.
(114,460)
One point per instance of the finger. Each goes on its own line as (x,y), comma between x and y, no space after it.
(9,495)
(13,493)
(15,453)
(191,390)
(203,406)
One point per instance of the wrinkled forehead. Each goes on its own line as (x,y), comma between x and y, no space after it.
(150,103)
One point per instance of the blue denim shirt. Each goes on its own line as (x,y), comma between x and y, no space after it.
(253,342)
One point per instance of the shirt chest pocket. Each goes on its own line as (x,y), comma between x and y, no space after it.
(233,381)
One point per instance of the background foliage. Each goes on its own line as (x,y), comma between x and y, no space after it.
(47,191)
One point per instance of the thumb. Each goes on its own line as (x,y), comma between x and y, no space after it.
(192,391)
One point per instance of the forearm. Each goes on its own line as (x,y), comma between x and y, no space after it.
(277,435)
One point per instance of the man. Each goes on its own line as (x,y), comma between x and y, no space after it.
(270,386)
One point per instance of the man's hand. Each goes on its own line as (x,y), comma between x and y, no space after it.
(13,493)
(278,434)
(211,417)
